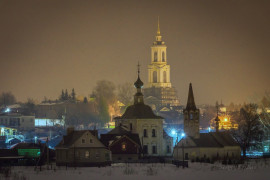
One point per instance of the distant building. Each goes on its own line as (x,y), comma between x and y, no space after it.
(203,146)
(124,145)
(140,119)
(82,148)
(159,92)
(18,121)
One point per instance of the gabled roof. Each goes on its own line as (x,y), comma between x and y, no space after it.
(206,140)
(119,130)
(72,137)
(214,139)
(139,111)
(29,146)
(224,138)
(115,133)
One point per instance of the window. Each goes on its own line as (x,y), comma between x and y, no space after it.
(191,116)
(124,147)
(154,76)
(91,140)
(130,126)
(168,149)
(145,133)
(87,154)
(164,77)
(153,133)
(83,141)
(145,149)
(98,155)
(186,156)
(163,57)
(154,149)
(155,56)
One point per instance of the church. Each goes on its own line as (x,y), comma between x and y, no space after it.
(196,146)
(160,94)
(140,119)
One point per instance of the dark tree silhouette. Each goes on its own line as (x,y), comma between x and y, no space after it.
(249,132)
(7,98)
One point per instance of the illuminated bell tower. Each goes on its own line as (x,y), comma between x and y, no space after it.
(159,70)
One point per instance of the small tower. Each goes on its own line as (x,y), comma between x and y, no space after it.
(191,116)
(138,97)
(217,119)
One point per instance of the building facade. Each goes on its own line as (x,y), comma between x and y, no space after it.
(82,148)
(139,118)
(18,121)
(198,146)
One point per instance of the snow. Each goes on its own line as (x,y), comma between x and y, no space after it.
(255,169)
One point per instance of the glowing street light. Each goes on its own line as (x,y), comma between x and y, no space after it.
(7,110)
(173,132)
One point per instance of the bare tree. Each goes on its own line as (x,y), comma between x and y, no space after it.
(249,132)
(125,93)
(7,98)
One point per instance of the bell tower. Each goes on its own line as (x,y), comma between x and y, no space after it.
(191,116)
(159,70)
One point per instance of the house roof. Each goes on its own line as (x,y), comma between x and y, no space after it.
(115,133)
(70,138)
(214,139)
(29,146)
(139,111)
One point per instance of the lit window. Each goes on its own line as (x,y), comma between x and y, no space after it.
(124,147)
(87,154)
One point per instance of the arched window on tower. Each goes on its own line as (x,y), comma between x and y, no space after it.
(163,56)
(164,76)
(154,76)
(155,56)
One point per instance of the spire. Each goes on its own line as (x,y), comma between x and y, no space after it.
(138,97)
(138,83)
(158,36)
(217,119)
(190,102)
(158,30)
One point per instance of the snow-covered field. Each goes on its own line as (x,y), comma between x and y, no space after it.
(255,170)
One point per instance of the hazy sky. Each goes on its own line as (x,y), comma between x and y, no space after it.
(222,47)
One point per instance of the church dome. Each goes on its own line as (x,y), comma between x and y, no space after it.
(138,83)
(139,111)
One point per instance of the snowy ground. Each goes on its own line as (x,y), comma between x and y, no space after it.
(255,170)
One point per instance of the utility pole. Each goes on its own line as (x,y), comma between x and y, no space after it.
(183,155)
(47,143)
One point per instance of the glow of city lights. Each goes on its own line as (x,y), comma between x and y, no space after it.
(225,119)
(209,129)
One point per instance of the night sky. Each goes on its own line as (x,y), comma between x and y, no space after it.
(222,47)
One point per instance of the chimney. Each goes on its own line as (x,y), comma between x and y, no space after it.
(70,130)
